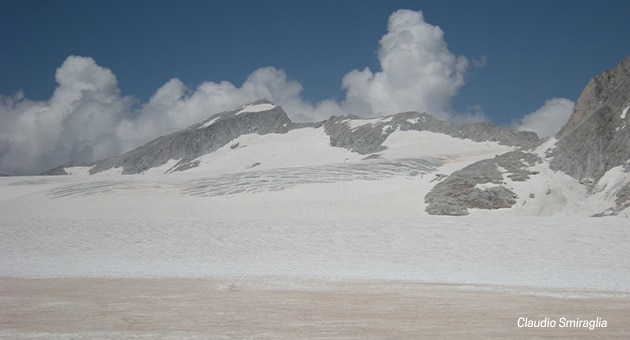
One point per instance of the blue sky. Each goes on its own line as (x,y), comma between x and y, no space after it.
(498,61)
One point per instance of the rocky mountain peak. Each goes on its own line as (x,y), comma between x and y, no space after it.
(259,106)
(609,91)
(597,136)
(259,117)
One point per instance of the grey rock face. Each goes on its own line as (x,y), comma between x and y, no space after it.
(364,139)
(622,198)
(622,201)
(597,136)
(481,132)
(459,192)
(198,140)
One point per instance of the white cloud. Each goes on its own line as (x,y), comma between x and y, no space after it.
(418,72)
(549,119)
(79,120)
(87,118)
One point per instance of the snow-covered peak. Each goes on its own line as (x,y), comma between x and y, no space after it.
(357,122)
(256,108)
(208,123)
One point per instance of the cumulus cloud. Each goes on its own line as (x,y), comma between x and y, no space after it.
(78,120)
(418,72)
(549,119)
(87,118)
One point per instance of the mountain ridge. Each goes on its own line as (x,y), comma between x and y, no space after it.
(471,168)
(597,136)
(363,136)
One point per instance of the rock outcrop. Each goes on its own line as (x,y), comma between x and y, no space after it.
(597,136)
(481,185)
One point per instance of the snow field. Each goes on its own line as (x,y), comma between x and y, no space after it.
(533,252)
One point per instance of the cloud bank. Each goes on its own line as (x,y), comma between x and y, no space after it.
(88,118)
(549,119)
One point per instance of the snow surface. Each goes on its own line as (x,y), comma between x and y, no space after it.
(172,241)
(243,109)
(112,171)
(355,123)
(291,205)
(162,169)
(296,148)
(78,170)
(416,120)
(208,123)
(256,108)
(425,144)
(331,224)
